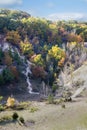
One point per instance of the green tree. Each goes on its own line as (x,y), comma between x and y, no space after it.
(7,75)
(1,56)
(14,24)
(3,23)
(1,79)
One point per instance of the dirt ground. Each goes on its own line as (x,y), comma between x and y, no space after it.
(51,117)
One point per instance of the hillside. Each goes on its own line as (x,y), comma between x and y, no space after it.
(77,82)
(14,14)
(54,116)
(36,50)
(43,67)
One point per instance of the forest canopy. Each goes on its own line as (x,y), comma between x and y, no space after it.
(41,41)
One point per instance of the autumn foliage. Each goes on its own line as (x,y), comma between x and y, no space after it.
(13,37)
(7,59)
(14,71)
(38,72)
(40,41)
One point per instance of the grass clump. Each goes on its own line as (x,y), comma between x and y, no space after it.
(1,108)
(22,105)
(5,118)
(33,109)
(1,97)
(63,106)
(50,99)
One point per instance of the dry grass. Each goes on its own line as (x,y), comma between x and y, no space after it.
(51,117)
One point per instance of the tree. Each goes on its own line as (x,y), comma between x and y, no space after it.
(38,72)
(3,23)
(13,37)
(26,48)
(14,24)
(1,56)
(55,59)
(7,75)
(38,60)
(84,35)
(7,59)
(14,71)
(1,79)
(56,53)
(74,38)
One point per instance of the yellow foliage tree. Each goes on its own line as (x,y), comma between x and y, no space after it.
(38,60)
(26,48)
(56,53)
(10,102)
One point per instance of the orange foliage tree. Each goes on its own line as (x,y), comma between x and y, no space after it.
(13,37)
(7,59)
(38,72)
(14,72)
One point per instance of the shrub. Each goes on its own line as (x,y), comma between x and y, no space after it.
(21,119)
(1,97)
(50,99)
(1,108)
(15,116)
(10,102)
(63,106)
(54,88)
(68,99)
